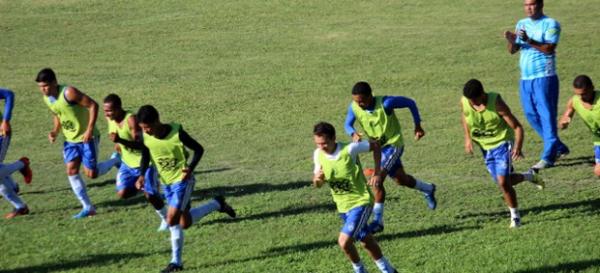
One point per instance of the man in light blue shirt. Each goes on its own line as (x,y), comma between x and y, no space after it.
(537,37)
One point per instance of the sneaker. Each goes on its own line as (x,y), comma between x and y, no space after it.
(537,180)
(369,172)
(85,213)
(116,155)
(17,212)
(172,268)
(26,170)
(430,198)
(542,164)
(515,222)
(562,152)
(163,226)
(375,227)
(225,208)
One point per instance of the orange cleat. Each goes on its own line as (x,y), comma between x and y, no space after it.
(26,170)
(369,171)
(17,212)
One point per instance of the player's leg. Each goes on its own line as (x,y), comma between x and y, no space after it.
(372,247)
(21,165)
(174,196)
(125,181)
(72,153)
(597,160)
(192,216)
(546,100)
(152,194)
(8,193)
(499,163)
(4,143)
(92,168)
(354,228)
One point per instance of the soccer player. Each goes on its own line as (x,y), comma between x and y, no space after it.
(123,127)
(537,37)
(7,185)
(585,103)
(487,121)
(5,130)
(337,164)
(166,145)
(75,114)
(376,116)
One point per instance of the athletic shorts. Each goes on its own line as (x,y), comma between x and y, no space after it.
(4,142)
(498,160)
(87,152)
(126,177)
(597,153)
(355,222)
(391,159)
(179,194)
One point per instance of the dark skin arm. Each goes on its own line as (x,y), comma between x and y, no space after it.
(193,145)
(513,47)
(510,119)
(135,132)
(75,96)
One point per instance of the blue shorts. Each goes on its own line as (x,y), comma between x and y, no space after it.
(355,222)
(597,153)
(4,142)
(179,194)
(127,176)
(498,160)
(87,152)
(391,159)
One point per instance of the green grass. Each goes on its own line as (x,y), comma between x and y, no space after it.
(248,79)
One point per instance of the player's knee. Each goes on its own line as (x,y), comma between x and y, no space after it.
(122,194)
(597,171)
(345,241)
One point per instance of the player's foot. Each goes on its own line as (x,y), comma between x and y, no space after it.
(163,226)
(562,152)
(515,222)
(16,188)
(375,227)
(17,212)
(369,171)
(172,268)
(537,180)
(542,164)
(116,155)
(85,213)
(430,198)
(225,208)
(26,170)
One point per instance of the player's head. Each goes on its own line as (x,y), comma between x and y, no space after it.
(583,85)
(148,119)
(533,8)
(362,94)
(46,81)
(112,106)
(473,90)
(324,136)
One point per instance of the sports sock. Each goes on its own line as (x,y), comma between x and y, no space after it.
(359,267)
(423,186)
(198,212)
(6,190)
(514,213)
(78,186)
(8,169)
(176,244)
(162,213)
(105,166)
(528,176)
(384,266)
(378,213)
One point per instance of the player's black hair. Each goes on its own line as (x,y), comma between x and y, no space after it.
(46,75)
(147,114)
(473,89)
(540,2)
(583,82)
(113,99)
(362,88)
(324,129)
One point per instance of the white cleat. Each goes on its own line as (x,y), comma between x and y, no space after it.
(163,226)
(515,222)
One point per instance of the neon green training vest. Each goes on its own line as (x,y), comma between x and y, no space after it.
(487,128)
(379,125)
(73,117)
(591,117)
(168,155)
(346,180)
(131,157)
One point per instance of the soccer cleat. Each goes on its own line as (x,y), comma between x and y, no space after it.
(375,227)
(369,172)
(562,152)
(430,198)
(116,155)
(26,170)
(163,226)
(542,164)
(17,212)
(515,222)
(85,213)
(537,180)
(224,207)
(172,268)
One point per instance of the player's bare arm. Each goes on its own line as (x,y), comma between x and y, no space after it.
(468,142)
(379,174)
(566,117)
(511,37)
(543,47)
(504,111)
(55,129)
(76,96)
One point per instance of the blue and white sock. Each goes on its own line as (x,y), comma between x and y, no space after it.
(105,166)
(6,190)
(201,211)
(423,186)
(527,176)
(384,266)
(162,213)
(78,186)
(8,169)
(176,244)
(514,213)
(378,213)
(359,267)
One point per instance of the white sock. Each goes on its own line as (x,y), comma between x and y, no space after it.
(78,186)
(198,212)
(423,186)
(528,176)
(359,267)
(8,169)
(384,266)
(105,166)
(378,213)
(176,244)
(514,213)
(162,213)
(7,191)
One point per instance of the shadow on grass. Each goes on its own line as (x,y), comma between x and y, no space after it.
(90,185)
(217,170)
(102,184)
(89,261)
(582,160)
(587,206)
(565,267)
(117,202)
(289,211)
(241,190)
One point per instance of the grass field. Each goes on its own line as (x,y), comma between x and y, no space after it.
(248,79)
